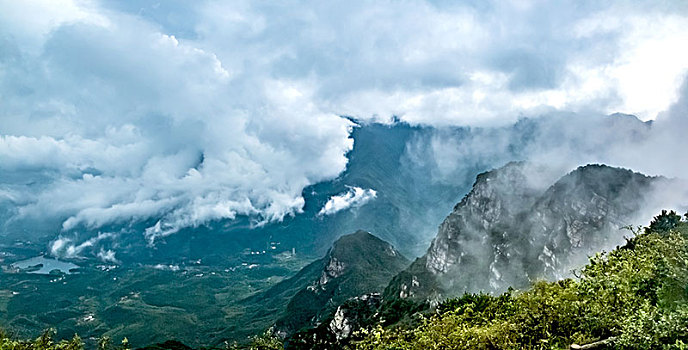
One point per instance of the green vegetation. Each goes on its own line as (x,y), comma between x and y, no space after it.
(197,305)
(47,342)
(265,341)
(635,297)
(357,264)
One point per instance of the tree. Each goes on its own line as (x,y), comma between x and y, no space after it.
(664,222)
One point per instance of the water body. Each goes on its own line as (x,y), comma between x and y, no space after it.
(42,265)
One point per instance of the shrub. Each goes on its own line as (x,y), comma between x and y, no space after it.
(635,297)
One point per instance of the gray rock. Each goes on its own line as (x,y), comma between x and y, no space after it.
(518,225)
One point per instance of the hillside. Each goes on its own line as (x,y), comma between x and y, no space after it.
(357,264)
(634,297)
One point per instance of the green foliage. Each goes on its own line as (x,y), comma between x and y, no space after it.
(397,311)
(265,341)
(44,342)
(635,297)
(664,222)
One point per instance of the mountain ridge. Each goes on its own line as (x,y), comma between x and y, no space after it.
(508,223)
(356,264)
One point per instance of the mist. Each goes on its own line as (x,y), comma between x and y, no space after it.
(562,142)
(158,117)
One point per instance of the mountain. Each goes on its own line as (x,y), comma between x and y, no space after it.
(201,276)
(357,264)
(515,226)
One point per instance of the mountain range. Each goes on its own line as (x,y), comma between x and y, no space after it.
(418,174)
(232,279)
(517,225)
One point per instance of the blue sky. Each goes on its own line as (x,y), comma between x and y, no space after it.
(195,110)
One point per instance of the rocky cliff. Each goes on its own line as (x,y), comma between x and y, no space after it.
(517,225)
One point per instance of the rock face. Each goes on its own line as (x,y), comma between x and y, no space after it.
(515,226)
(357,264)
(349,315)
(338,329)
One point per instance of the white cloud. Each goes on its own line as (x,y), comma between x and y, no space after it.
(427,62)
(564,141)
(31,21)
(354,197)
(119,122)
(114,112)
(68,248)
(173,268)
(107,256)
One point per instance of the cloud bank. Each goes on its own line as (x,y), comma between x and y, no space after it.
(354,197)
(106,119)
(181,113)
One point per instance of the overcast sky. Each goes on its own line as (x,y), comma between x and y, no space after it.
(194,110)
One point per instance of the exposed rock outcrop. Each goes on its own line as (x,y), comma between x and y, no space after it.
(349,315)
(357,264)
(515,226)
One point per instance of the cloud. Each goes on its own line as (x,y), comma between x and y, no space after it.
(562,142)
(460,63)
(173,268)
(107,256)
(176,114)
(113,121)
(354,197)
(66,247)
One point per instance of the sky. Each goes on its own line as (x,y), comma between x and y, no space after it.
(191,111)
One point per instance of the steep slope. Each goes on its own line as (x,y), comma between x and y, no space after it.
(584,211)
(514,227)
(357,264)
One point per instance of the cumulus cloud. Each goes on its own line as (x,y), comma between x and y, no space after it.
(442,63)
(112,120)
(181,113)
(354,197)
(67,247)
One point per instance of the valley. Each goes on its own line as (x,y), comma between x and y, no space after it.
(147,304)
(225,282)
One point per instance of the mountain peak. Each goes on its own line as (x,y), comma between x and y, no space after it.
(600,179)
(360,245)
(517,225)
(356,237)
(358,263)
